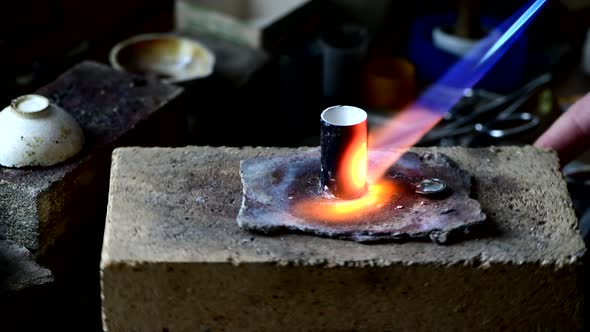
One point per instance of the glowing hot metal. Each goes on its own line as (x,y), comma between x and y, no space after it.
(343,211)
(344,151)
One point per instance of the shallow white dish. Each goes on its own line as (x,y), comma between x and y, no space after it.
(35,132)
(451,43)
(166,56)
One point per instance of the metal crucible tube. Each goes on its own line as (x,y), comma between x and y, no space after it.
(343,142)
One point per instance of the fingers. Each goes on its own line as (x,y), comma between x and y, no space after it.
(569,135)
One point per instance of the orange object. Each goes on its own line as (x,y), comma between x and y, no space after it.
(341,211)
(389,83)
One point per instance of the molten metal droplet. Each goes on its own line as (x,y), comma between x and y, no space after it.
(430,186)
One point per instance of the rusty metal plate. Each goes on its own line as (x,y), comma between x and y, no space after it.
(274,188)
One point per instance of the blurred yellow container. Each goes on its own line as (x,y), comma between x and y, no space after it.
(389,83)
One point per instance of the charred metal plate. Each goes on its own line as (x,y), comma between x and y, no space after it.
(275,187)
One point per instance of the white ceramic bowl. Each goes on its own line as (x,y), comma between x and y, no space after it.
(166,56)
(450,43)
(35,132)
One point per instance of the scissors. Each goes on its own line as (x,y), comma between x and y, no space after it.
(482,117)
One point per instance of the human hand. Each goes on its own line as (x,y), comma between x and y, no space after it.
(569,135)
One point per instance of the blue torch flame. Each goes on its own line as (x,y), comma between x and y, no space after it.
(413,122)
(467,72)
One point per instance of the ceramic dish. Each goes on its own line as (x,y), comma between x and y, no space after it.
(35,132)
(166,56)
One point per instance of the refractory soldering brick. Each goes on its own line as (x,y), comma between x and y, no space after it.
(174,258)
(39,204)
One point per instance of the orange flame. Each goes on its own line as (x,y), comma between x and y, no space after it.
(353,168)
(397,136)
(334,210)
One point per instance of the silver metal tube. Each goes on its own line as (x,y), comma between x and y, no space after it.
(343,142)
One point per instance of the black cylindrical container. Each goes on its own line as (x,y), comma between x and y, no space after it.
(343,142)
(344,48)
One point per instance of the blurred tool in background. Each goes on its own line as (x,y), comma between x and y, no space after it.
(483,118)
